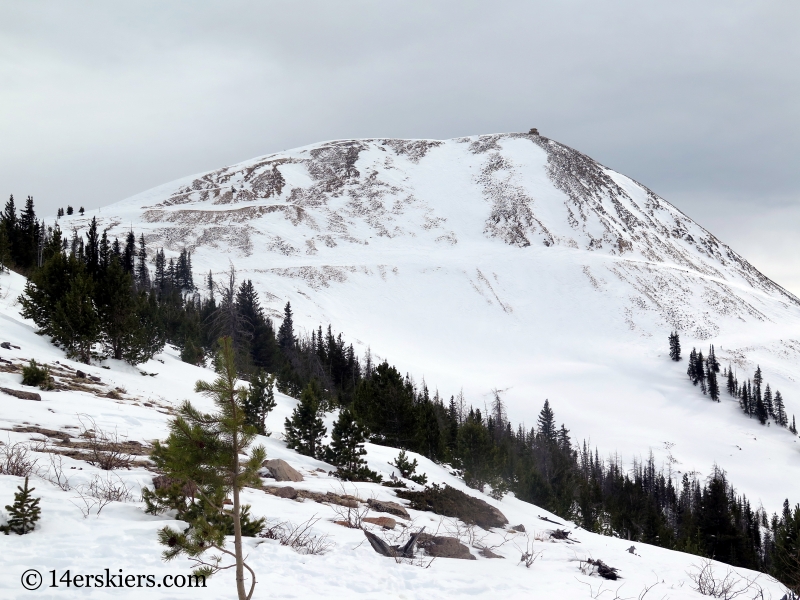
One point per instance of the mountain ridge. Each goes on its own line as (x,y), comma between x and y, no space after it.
(505,261)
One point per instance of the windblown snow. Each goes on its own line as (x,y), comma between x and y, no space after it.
(507,262)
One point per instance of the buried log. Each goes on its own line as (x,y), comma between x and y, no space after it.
(404,551)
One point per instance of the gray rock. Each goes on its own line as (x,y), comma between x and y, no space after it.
(444,547)
(520,528)
(21,395)
(393,508)
(281,470)
(286,492)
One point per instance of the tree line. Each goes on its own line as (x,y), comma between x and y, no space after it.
(95,296)
(756,398)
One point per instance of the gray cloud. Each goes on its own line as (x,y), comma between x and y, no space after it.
(698,101)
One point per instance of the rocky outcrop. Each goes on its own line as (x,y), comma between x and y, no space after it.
(281,470)
(393,508)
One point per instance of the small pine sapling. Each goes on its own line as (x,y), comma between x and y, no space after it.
(24,513)
(37,376)
(408,468)
(202,457)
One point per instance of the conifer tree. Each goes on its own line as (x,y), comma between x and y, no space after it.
(731,382)
(761,411)
(304,430)
(75,324)
(691,370)
(793,427)
(203,452)
(259,401)
(69,209)
(674,346)
(160,274)
(768,402)
(547,423)
(713,364)
(780,410)
(713,386)
(347,449)
(93,250)
(24,513)
(129,253)
(142,272)
(286,331)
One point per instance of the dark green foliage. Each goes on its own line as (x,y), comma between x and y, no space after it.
(201,457)
(259,401)
(786,561)
(713,385)
(347,449)
(674,346)
(286,337)
(37,376)
(24,513)
(450,502)
(304,429)
(780,410)
(408,468)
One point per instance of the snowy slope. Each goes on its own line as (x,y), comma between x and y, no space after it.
(504,261)
(123,538)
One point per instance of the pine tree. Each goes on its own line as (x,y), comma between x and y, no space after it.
(104,252)
(24,513)
(93,250)
(160,275)
(713,386)
(142,272)
(712,362)
(758,379)
(780,410)
(304,430)
(75,324)
(259,401)
(768,402)
(547,423)
(202,453)
(761,411)
(286,338)
(69,209)
(674,346)
(744,400)
(347,449)
(129,253)
(793,428)
(691,370)
(731,382)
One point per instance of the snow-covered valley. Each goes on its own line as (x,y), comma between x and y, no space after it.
(122,538)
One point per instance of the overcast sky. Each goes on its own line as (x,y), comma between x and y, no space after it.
(697,100)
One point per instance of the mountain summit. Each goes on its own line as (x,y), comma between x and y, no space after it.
(508,262)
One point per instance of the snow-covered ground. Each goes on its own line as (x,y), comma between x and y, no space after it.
(508,262)
(122,537)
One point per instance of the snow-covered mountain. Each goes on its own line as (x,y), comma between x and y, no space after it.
(504,261)
(79,538)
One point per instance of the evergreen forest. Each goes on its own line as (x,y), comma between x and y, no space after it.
(102,298)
